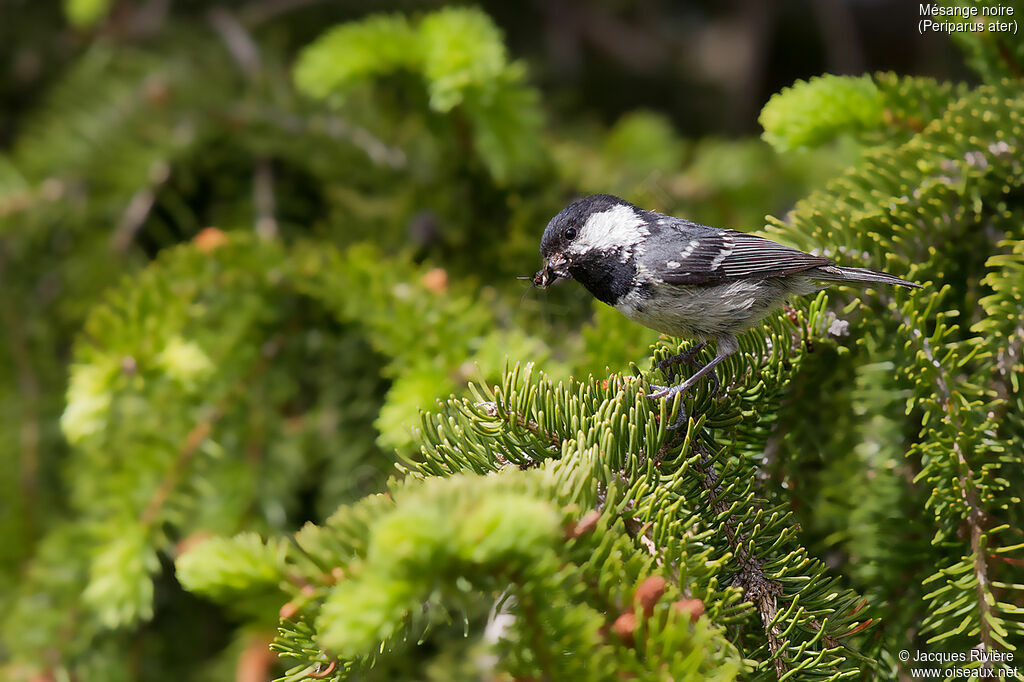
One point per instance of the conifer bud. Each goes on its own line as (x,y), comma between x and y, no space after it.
(694,608)
(587,524)
(624,626)
(288,611)
(649,592)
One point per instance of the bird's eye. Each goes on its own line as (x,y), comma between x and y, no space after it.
(570,233)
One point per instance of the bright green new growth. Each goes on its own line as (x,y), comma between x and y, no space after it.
(872,108)
(86,13)
(226,569)
(459,54)
(675,504)
(809,113)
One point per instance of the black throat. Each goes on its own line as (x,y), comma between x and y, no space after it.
(604,275)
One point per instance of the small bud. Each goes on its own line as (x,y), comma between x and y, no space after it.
(694,608)
(649,592)
(624,627)
(209,239)
(129,365)
(323,672)
(585,525)
(288,611)
(191,542)
(156,91)
(436,280)
(256,661)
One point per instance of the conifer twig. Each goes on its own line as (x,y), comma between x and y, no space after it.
(264,200)
(237,39)
(29,391)
(968,492)
(193,440)
(757,588)
(139,208)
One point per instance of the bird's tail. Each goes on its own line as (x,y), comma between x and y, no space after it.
(835,273)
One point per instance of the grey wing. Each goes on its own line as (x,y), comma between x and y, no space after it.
(690,253)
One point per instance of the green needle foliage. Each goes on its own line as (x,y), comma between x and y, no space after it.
(332,426)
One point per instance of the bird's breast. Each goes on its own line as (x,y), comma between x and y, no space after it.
(608,276)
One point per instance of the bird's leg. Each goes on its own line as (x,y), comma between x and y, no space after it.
(686,357)
(726,346)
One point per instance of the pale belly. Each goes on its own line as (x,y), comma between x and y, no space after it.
(707,312)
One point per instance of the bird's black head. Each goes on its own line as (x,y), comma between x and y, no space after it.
(592,240)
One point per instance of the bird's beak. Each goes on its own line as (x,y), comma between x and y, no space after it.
(555,267)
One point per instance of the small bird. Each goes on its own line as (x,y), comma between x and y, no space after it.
(682,278)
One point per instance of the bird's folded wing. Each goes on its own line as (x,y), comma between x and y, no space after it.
(697,254)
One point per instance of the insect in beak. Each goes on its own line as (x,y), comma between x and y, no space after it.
(555,267)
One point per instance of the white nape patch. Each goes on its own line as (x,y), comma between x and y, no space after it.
(620,227)
(727,248)
(673,264)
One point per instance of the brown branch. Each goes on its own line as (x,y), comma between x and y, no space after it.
(762,592)
(264,200)
(237,39)
(514,419)
(29,391)
(1007,57)
(256,662)
(969,493)
(641,532)
(193,440)
(339,130)
(138,209)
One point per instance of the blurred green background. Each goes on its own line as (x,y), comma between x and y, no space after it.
(372,177)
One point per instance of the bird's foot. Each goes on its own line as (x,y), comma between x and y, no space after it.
(669,392)
(715,383)
(686,357)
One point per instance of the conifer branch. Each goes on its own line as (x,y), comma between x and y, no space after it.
(139,207)
(195,438)
(239,42)
(263,199)
(757,588)
(975,516)
(28,388)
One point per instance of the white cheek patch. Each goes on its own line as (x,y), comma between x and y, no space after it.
(620,227)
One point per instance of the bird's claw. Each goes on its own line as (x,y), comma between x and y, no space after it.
(667,393)
(670,392)
(715,383)
(686,357)
(680,419)
(658,391)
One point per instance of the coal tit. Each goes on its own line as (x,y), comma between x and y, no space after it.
(682,278)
